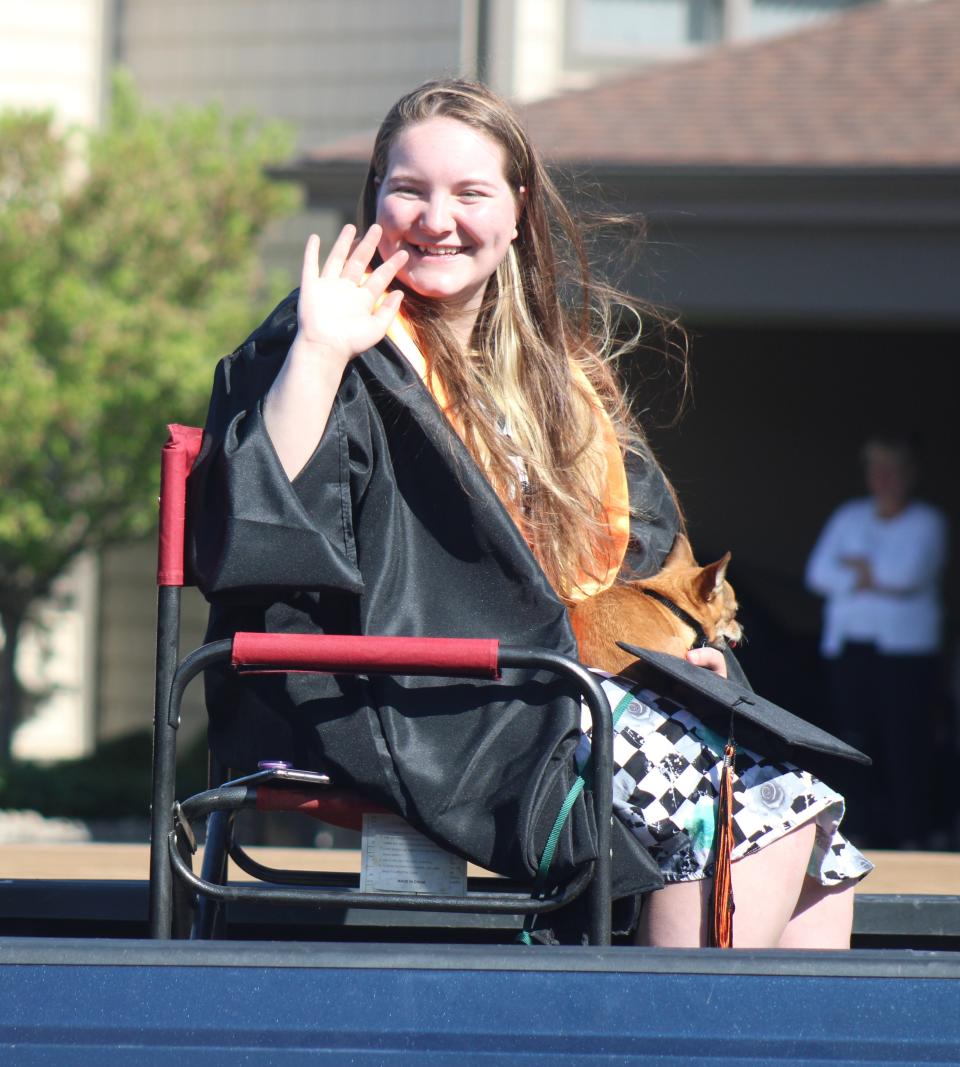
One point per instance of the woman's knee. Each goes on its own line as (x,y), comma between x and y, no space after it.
(823,917)
(767,887)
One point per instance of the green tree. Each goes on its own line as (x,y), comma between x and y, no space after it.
(128,263)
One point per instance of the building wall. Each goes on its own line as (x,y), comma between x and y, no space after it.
(524,55)
(52,55)
(56,661)
(328,67)
(863,247)
(127,643)
(605,35)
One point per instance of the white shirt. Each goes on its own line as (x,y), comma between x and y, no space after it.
(906,554)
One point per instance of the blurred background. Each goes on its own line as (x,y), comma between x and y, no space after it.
(797,165)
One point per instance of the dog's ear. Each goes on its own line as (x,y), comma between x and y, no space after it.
(713,576)
(681,554)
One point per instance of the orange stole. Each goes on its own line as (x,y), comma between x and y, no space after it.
(616,503)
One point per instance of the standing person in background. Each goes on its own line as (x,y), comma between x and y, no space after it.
(878,563)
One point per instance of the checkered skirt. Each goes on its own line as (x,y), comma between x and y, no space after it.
(666,779)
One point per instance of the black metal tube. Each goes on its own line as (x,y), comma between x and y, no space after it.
(282,876)
(601,763)
(164,762)
(497,903)
(171,682)
(220,798)
(196,661)
(209,911)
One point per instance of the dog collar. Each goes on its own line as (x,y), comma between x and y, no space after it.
(700,639)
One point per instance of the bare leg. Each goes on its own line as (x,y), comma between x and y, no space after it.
(676,916)
(823,917)
(766,890)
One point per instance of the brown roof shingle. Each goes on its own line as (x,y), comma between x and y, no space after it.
(876,86)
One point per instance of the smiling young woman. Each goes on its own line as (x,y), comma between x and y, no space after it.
(427,439)
(446,202)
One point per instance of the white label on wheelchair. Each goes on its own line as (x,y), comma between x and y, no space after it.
(395,858)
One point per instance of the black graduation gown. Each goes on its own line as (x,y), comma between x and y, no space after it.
(392,529)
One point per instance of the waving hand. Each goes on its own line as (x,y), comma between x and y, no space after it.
(343,310)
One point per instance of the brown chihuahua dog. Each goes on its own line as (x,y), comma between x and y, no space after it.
(681,606)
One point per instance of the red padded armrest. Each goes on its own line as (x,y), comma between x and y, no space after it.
(332,653)
(176,461)
(339,807)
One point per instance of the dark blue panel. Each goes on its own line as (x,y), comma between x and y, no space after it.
(68,1015)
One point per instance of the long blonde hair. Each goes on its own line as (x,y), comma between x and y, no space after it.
(543,315)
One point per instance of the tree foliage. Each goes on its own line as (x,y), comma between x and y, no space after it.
(128,264)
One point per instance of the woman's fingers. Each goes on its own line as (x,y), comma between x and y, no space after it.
(384,274)
(387,308)
(344,307)
(709,658)
(361,254)
(311,258)
(339,251)
(350,259)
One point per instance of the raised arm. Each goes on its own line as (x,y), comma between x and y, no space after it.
(827,572)
(342,311)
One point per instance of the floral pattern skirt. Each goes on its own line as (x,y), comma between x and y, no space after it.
(667,767)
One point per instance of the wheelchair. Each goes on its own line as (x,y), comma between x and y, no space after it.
(186,904)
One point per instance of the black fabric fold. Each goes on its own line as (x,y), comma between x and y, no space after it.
(391,529)
(250,527)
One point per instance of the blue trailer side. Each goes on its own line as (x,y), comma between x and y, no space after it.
(69,1002)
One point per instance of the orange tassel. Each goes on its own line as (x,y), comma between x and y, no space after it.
(722,907)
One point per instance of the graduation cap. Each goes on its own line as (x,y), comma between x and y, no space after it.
(729,707)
